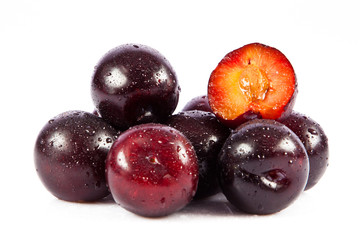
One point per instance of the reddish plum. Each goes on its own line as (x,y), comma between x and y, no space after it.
(152,170)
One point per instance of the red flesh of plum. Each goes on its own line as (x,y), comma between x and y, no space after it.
(254,81)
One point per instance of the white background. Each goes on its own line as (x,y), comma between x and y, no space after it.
(48,50)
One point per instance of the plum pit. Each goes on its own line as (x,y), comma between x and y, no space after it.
(254,83)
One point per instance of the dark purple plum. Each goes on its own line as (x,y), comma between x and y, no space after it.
(134,84)
(315,141)
(70,153)
(263,167)
(96,113)
(207,135)
(152,170)
(198,103)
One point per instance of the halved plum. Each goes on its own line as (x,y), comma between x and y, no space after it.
(254,81)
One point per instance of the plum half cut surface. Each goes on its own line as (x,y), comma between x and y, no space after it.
(152,170)
(134,84)
(70,153)
(207,135)
(254,81)
(315,141)
(263,167)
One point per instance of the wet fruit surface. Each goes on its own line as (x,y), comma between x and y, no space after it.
(152,170)
(242,138)
(315,141)
(70,153)
(263,167)
(198,103)
(253,81)
(207,135)
(134,84)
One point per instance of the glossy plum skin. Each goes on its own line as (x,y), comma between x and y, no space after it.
(315,141)
(200,103)
(152,170)
(207,135)
(134,84)
(70,153)
(263,167)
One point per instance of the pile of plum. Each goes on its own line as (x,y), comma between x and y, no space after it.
(242,138)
